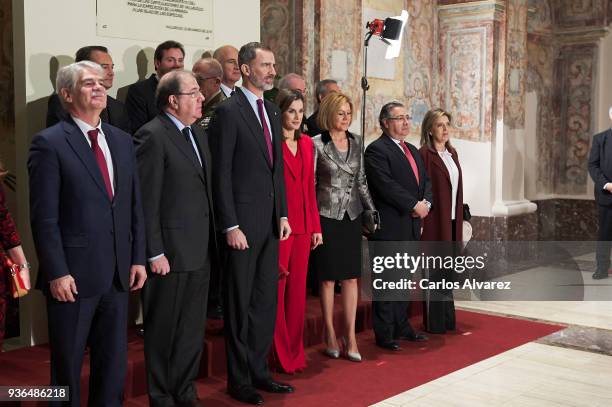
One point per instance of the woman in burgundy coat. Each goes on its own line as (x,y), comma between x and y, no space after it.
(303,214)
(445,220)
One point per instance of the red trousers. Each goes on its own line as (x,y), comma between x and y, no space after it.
(289,329)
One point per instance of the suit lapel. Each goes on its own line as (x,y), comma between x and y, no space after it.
(437,160)
(115,156)
(400,156)
(181,143)
(331,151)
(252,122)
(289,162)
(77,142)
(277,132)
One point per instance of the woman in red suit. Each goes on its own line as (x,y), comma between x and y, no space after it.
(10,245)
(445,220)
(303,214)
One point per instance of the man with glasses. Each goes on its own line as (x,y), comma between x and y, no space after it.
(209,73)
(175,168)
(401,191)
(140,99)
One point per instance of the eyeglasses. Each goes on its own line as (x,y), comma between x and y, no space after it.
(205,78)
(194,94)
(402,118)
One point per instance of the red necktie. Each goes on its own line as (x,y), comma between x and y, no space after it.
(410,158)
(93,137)
(266,131)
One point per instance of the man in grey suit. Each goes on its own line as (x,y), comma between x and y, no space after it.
(174,163)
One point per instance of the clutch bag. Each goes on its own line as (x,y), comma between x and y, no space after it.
(18,288)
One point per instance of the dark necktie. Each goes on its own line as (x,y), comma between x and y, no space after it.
(186,131)
(266,131)
(93,137)
(411,160)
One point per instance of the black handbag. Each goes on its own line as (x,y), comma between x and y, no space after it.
(370,221)
(466,212)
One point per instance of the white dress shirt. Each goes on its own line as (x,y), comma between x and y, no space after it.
(84,127)
(453,171)
(227,90)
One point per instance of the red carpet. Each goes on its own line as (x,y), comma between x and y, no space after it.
(384,374)
(325,382)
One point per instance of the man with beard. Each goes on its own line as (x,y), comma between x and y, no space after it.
(249,189)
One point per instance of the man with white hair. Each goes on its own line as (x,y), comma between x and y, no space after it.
(293,81)
(88,229)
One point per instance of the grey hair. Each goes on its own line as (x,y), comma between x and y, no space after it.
(385,112)
(284,82)
(321,89)
(169,84)
(208,67)
(68,76)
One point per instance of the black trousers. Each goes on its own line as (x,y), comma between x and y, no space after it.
(439,307)
(174,324)
(390,320)
(604,238)
(251,289)
(100,323)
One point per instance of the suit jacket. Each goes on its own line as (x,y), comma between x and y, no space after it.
(341,185)
(437,226)
(140,102)
(312,128)
(395,189)
(77,229)
(208,109)
(114,113)
(177,194)
(600,166)
(304,179)
(248,191)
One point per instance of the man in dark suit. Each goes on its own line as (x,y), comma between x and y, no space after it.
(600,168)
(401,192)
(324,88)
(140,100)
(245,136)
(88,230)
(114,113)
(175,169)
(227,56)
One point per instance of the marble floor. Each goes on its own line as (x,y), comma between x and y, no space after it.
(572,367)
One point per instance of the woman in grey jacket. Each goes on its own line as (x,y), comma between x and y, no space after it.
(342,195)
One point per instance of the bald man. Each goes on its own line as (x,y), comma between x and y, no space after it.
(209,74)
(227,56)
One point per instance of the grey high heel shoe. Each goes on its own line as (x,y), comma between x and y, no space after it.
(352,356)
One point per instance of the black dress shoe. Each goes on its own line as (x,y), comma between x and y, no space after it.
(600,275)
(274,387)
(246,395)
(391,345)
(415,337)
